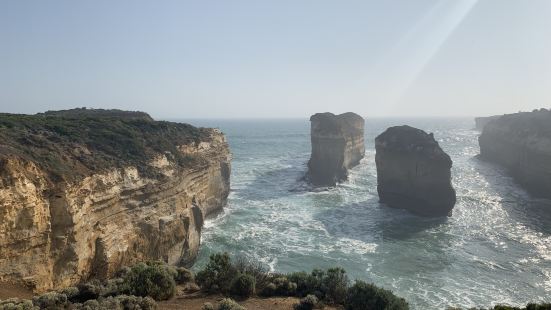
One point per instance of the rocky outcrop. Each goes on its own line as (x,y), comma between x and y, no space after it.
(82,197)
(337,145)
(521,143)
(481,122)
(413,172)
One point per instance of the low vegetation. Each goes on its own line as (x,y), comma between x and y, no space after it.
(140,286)
(70,143)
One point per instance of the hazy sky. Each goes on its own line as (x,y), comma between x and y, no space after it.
(276,58)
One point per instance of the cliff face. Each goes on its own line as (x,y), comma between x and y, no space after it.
(337,145)
(521,143)
(481,122)
(413,172)
(80,198)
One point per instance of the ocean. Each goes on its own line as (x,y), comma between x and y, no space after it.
(495,248)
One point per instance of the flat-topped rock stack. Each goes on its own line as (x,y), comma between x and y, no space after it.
(521,142)
(413,172)
(337,145)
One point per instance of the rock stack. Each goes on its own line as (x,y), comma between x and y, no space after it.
(337,145)
(413,172)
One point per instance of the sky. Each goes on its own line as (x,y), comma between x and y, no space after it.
(276,59)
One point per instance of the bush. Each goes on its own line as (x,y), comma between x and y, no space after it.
(334,285)
(243,286)
(256,269)
(51,300)
(183,275)
(152,279)
(269,290)
(368,296)
(217,275)
(229,304)
(284,287)
(17,304)
(307,303)
(207,306)
(122,302)
(538,307)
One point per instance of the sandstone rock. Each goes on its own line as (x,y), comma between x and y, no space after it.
(140,192)
(413,172)
(521,142)
(481,122)
(337,145)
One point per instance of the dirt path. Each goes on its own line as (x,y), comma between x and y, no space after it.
(8,290)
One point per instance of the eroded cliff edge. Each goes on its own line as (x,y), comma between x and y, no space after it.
(83,194)
(521,142)
(337,145)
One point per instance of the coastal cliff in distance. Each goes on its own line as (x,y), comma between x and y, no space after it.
(481,122)
(85,192)
(521,143)
(337,145)
(413,172)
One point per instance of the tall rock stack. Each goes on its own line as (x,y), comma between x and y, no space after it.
(337,145)
(521,142)
(413,172)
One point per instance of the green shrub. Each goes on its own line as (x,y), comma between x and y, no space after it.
(217,276)
(229,304)
(152,279)
(307,303)
(538,306)
(269,290)
(243,285)
(284,287)
(17,304)
(334,285)
(121,302)
(207,306)
(368,296)
(256,269)
(183,275)
(51,300)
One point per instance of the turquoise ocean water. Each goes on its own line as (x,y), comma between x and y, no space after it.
(495,248)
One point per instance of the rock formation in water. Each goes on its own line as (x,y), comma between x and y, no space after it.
(337,145)
(521,142)
(413,172)
(481,122)
(82,195)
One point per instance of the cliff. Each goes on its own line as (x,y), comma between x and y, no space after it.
(81,196)
(521,143)
(481,122)
(413,172)
(337,145)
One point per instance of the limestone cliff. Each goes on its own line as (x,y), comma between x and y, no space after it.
(413,172)
(82,196)
(481,122)
(521,142)
(337,145)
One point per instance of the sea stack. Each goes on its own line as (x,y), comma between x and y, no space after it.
(337,145)
(413,172)
(86,192)
(521,143)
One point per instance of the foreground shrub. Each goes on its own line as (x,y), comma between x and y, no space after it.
(217,275)
(243,286)
(229,304)
(17,304)
(334,285)
(207,306)
(121,302)
(152,279)
(368,296)
(51,300)
(183,275)
(256,269)
(307,303)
